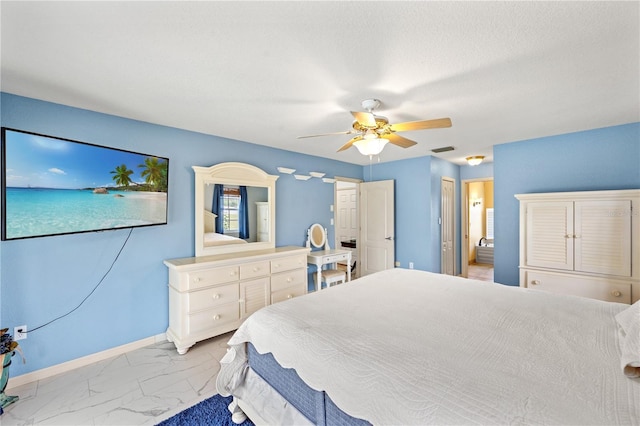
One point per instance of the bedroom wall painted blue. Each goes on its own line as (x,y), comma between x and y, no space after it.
(43,278)
(601,159)
(439,169)
(417,207)
(412,188)
(483,170)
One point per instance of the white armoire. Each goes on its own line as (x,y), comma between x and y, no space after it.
(262,221)
(581,243)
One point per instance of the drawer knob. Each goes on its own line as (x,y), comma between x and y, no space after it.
(216,296)
(289,296)
(196,279)
(216,317)
(616,293)
(289,279)
(276,265)
(535,282)
(256,269)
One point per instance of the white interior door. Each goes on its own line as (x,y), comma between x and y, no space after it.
(346,219)
(377,226)
(448,226)
(346,215)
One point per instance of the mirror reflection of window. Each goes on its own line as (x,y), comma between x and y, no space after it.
(489,224)
(222,191)
(230,210)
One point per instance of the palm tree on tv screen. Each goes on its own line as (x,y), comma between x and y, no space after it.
(155,173)
(121,175)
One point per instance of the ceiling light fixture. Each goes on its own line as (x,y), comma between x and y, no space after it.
(373,146)
(475,160)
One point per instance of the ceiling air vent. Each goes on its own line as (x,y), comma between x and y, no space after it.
(443,149)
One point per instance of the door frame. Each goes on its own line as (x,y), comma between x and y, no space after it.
(464,272)
(335,213)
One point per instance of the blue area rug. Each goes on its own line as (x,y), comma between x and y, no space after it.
(212,411)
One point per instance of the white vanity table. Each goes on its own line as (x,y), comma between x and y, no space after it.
(329,257)
(317,237)
(215,291)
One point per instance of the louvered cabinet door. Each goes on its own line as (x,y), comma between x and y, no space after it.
(254,295)
(602,237)
(549,235)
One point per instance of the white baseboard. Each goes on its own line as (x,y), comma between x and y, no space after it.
(23,379)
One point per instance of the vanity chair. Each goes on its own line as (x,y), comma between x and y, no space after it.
(317,237)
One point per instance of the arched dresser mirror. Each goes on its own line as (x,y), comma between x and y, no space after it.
(233,184)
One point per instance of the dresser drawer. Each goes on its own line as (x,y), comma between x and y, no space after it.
(220,315)
(209,277)
(288,293)
(288,279)
(210,297)
(594,288)
(288,263)
(334,258)
(254,270)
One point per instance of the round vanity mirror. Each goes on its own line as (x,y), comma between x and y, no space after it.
(317,236)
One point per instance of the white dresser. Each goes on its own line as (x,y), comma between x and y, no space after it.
(582,243)
(212,295)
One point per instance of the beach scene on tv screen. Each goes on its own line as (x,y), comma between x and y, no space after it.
(56,186)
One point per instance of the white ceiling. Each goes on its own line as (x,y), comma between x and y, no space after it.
(267,72)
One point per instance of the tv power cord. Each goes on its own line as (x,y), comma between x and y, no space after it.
(90,293)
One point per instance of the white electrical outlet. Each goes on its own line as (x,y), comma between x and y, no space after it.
(19,335)
(410,265)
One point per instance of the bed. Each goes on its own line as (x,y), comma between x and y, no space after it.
(212,238)
(412,347)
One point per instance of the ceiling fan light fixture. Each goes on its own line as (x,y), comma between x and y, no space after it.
(370,134)
(475,160)
(370,146)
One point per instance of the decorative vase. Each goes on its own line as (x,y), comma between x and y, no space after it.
(5,400)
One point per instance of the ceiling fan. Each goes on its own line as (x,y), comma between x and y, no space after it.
(374,131)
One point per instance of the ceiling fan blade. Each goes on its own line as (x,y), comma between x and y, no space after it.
(366,119)
(399,140)
(348,144)
(348,132)
(421,125)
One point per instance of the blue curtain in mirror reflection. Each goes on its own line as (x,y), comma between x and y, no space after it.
(216,207)
(243,214)
(230,204)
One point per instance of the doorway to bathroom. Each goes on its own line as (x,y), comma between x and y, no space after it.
(477,223)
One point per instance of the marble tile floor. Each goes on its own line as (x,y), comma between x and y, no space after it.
(141,387)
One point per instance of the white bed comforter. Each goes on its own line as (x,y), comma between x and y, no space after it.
(411,347)
(215,239)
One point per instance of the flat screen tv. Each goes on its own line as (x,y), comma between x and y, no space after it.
(55,186)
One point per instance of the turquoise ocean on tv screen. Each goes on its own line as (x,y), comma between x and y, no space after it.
(41,211)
